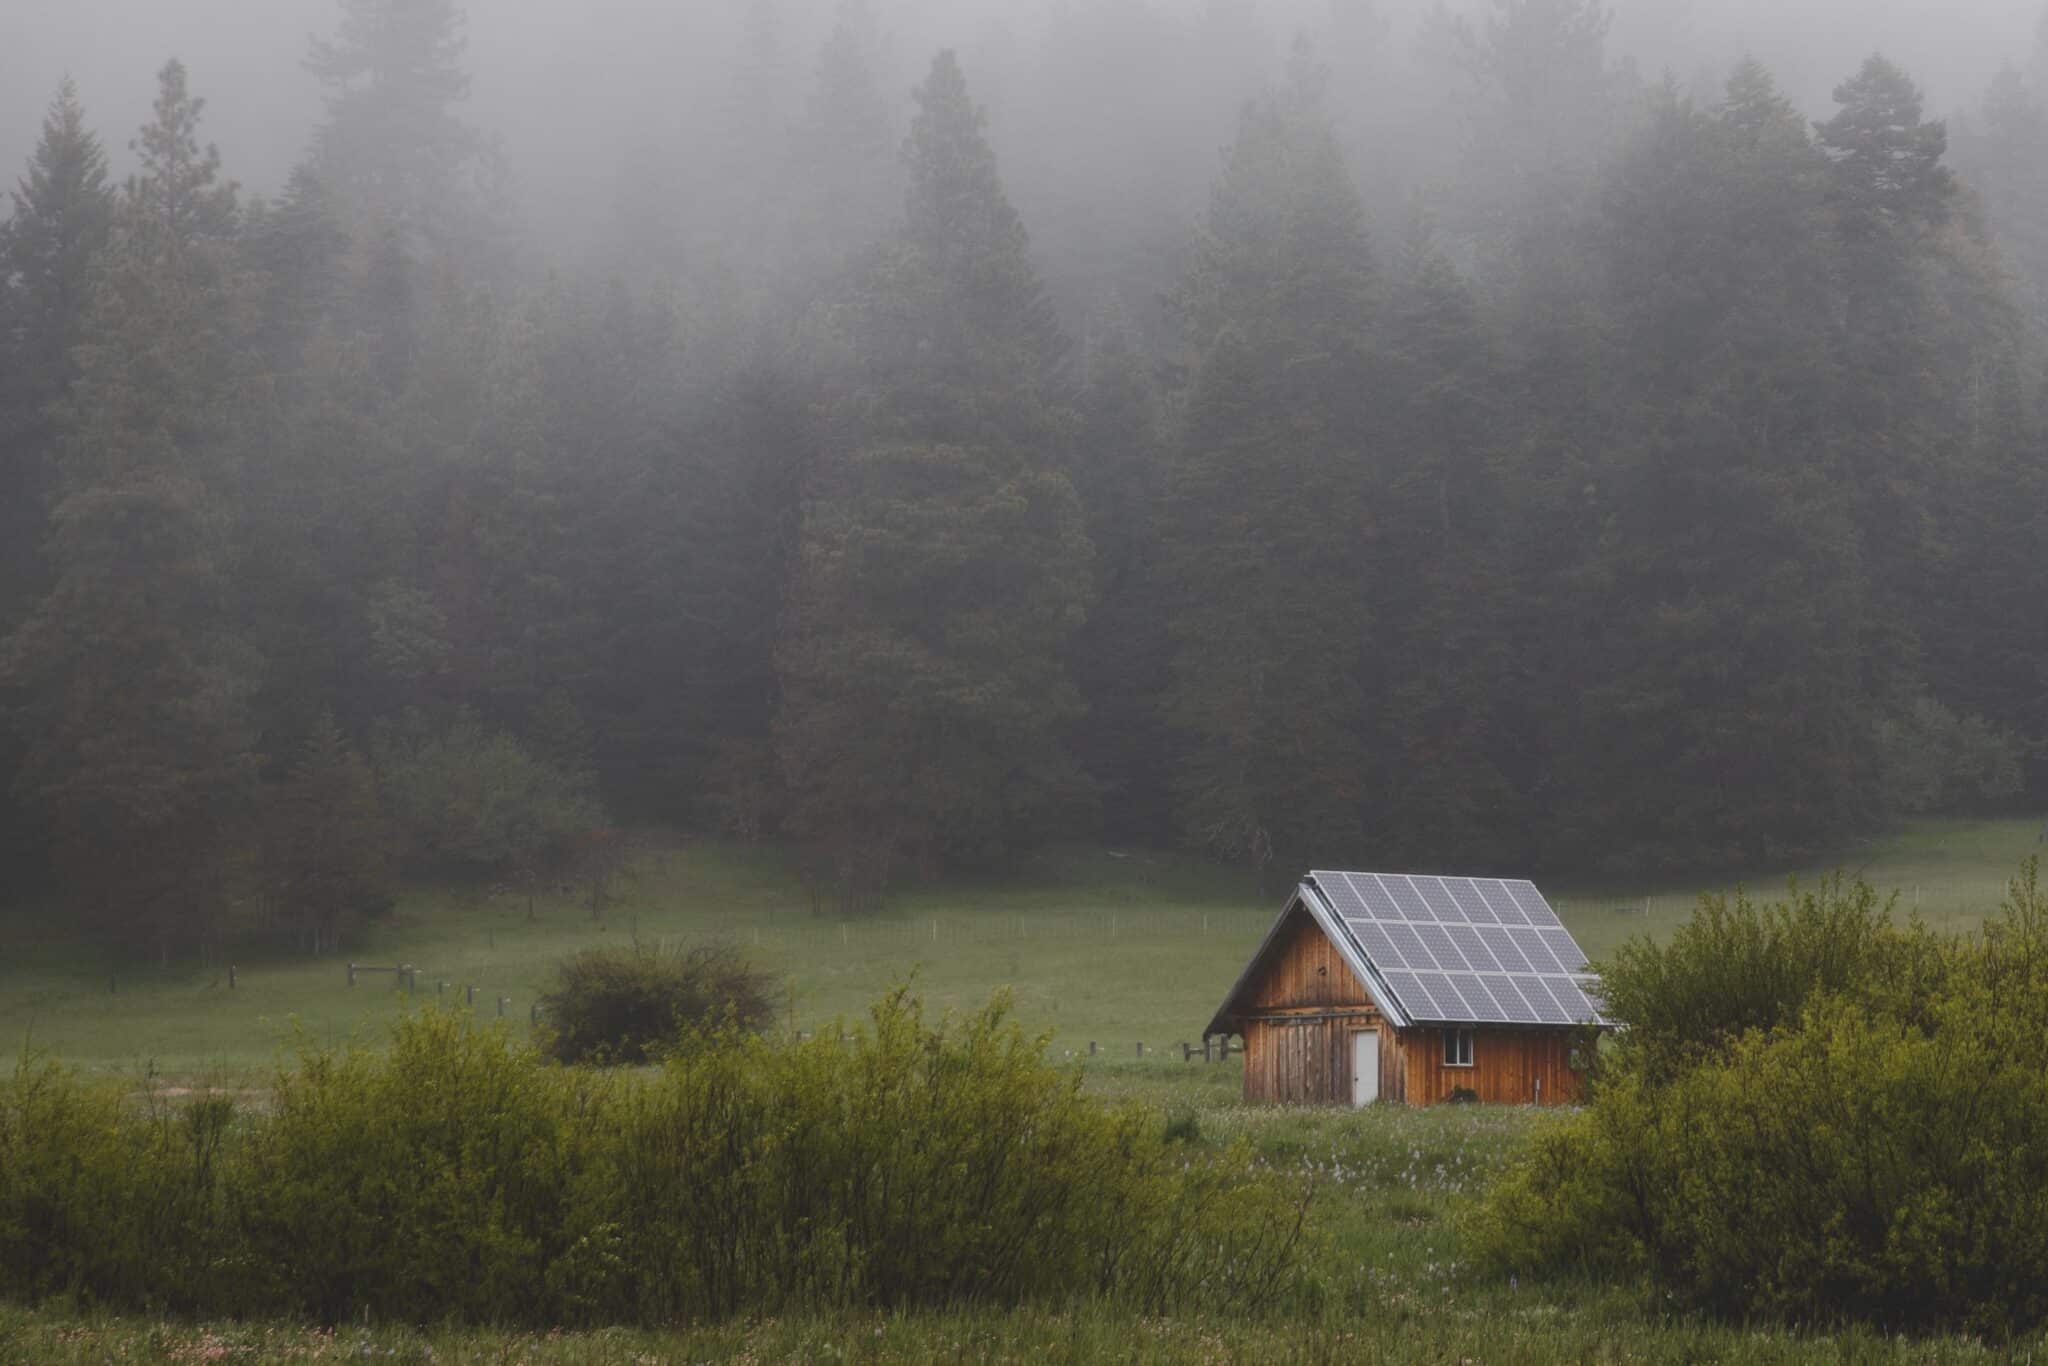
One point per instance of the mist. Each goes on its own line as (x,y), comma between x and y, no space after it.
(577,92)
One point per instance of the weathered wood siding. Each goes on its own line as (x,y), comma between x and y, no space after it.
(1506,1066)
(1303,1003)
(1303,968)
(1297,1048)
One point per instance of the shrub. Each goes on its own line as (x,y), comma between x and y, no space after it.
(1882,1155)
(623,1005)
(95,1191)
(470,798)
(1739,965)
(459,1178)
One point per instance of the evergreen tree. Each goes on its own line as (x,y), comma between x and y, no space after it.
(132,682)
(848,177)
(49,249)
(1999,154)
(1442,668)
(942,563)
(62,209)
(392,152)
(327,847)
(1120,655)
(1268,505)
(1733,659)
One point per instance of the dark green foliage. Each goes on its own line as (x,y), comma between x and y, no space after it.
(466,797)
(133,711)
(1862,1141)
(328,852)
(629,1006)
(1268,502)
(1739,966)
(943,563)
(459,1178)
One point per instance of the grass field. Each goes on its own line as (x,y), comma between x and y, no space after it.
(1094,946)
(1115,949)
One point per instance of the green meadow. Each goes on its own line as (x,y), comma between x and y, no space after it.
(1114,948)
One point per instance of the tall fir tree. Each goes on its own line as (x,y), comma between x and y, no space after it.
(392,151)
(62,211)
(132,679)
(1120,656)
(943,563)
(326,844)
(1268,505)
(49,249)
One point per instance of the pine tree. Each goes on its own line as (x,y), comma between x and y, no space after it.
(327,847)
(848,176)
(1730,695)
(1999,154)
(1442,665)
(62,209)
(392,152)
(132,680)
(1120,655)
(49,249)
(1267,503)
(943,563)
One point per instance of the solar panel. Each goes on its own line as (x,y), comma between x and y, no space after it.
(1565,947)
(1382,906)
(1469,901)
(1378,946)
(1437,940)
(1465,950)
(1473,947)
(1408,899)
(1409,944)
(1439,899)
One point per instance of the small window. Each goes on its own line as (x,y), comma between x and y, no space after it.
(1457,1048)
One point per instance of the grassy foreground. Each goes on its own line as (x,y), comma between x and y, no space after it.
(1119,950)
(1593,1329)
(1393,1186)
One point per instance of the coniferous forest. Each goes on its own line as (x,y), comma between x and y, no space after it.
(1658,482)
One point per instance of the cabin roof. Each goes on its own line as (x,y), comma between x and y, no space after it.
(1442,950)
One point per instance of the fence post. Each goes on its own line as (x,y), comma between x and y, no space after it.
(440,986)
(1205,1049)
(1091,1048)
(351,974)
(1187,1051)
(412,981)
(1141,1048)
(469,996)
(501,1006)
(533,1013)
(231,977)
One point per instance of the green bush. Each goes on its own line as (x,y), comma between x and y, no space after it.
(1882,1155)
(1739,966)
(94,1189)
(460,1177)
(470,798)
(625,1005)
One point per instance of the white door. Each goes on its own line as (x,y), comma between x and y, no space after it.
(1365,1067)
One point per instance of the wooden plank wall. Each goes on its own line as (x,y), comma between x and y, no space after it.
(1303,968)
(1307,1004)
(1506,1065)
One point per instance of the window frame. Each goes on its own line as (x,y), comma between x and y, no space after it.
(1459,1046)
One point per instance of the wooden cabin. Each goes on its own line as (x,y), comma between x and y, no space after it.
(1416,989)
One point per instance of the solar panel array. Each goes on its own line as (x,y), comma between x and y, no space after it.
(1459,950)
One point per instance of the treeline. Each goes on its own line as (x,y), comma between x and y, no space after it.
(1665,492)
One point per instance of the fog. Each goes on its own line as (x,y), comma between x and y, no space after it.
(576,91)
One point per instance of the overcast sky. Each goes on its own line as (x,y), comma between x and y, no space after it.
(554,75)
